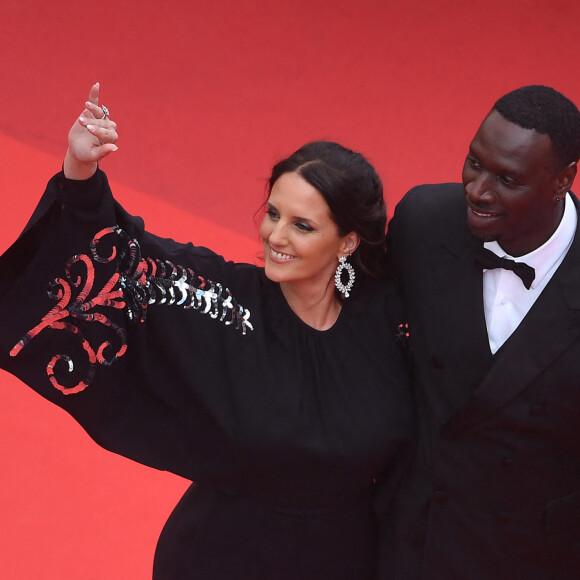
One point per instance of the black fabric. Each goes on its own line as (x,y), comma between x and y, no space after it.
(283,428)
(493,491)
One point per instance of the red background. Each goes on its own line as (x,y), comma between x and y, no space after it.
(207,97)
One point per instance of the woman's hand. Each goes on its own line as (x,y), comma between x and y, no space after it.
(91,138)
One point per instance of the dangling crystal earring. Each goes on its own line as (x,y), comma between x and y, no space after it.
(344,289)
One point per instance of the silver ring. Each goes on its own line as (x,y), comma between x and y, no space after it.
(105,112)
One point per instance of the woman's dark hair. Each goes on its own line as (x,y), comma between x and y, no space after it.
(352,190)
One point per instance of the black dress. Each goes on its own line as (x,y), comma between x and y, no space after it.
(169,355)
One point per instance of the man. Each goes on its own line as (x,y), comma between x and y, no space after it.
(495,489)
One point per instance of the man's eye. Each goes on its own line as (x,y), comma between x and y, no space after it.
(475,164)
(506,180)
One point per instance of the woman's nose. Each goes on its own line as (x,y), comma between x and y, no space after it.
(278,233)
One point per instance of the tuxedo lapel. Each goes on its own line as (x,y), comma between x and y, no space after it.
(462,306)
(548,329)
(457,317)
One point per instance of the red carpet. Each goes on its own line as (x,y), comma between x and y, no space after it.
(208,96)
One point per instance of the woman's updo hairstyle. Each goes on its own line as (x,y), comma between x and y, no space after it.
(352,190)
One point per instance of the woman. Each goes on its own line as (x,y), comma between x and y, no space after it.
(278,390)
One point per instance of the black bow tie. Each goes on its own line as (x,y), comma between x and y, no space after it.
(487,259)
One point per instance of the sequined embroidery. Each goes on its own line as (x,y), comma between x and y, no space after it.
(136,284)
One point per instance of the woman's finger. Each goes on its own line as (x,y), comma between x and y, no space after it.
(85,120)
(94,94)
(98,112)
(106,148)
(105,134)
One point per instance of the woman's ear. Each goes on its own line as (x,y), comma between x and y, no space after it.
(350,243)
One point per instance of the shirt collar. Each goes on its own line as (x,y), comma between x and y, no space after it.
(542,259)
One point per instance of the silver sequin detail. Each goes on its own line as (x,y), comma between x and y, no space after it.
(147,282)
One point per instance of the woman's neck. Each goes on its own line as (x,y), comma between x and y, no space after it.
(317,307)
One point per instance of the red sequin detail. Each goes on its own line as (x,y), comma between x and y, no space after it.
(69,308)
(136,284)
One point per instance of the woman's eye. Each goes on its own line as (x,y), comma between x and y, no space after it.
(272,213)
(303,227)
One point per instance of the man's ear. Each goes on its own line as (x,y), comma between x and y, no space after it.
(565,179)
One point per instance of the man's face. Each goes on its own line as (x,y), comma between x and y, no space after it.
(511,183)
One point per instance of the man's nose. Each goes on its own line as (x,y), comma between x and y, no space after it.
(480,188)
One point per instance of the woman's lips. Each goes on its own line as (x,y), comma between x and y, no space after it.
(280,257)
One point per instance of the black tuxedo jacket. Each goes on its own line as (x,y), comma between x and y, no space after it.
(495,489)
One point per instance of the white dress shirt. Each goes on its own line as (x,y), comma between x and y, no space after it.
(505,299)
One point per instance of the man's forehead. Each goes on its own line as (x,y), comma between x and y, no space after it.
(498,133)
(505,147)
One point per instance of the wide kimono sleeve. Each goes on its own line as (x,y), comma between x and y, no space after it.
(134,335)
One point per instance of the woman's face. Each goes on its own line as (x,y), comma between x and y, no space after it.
(301,241)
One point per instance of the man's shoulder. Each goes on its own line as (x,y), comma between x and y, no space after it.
(435,194)
(423,203)
(428,216)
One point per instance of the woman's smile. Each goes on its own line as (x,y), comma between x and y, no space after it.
(280,256)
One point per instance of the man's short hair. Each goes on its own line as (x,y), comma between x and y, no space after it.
(547,111)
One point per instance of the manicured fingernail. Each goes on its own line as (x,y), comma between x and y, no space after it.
(82,119)
(91,127)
